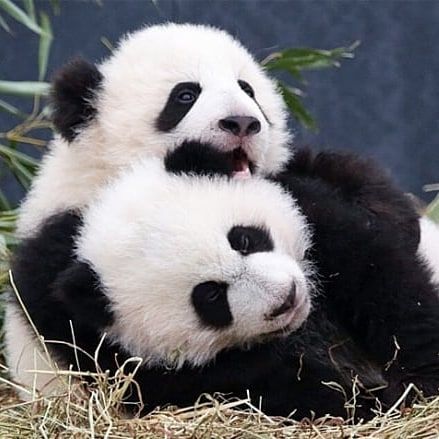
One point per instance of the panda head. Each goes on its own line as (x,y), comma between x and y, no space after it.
(166,84)
(191,265)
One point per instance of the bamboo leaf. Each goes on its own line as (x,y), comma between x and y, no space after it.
(433,210)
(10,240)
(8,108)
(56,8)
(44,47)
(46,111)
(13,154)
(30,9)
(4,203)
(22,174)
(18,14)
(296,107)
(8,219)
(4,25)
(24,88)
(297,59)
(3,263)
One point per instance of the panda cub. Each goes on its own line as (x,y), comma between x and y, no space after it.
(180,271)
(161,86)
(208,280)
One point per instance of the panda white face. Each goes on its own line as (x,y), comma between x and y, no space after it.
(170,83)
(162,85)
(193,265)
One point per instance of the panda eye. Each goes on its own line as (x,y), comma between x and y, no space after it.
(244,245)
(209,292)
(186,97)
(180,101)
(246,88)
(213,294)
(250,239)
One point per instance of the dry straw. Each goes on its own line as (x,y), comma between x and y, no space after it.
(97,410)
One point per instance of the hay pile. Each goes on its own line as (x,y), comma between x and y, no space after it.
(97,412)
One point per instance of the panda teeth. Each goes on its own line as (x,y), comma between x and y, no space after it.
(241,165)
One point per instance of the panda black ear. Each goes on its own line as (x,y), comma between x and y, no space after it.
(73,92)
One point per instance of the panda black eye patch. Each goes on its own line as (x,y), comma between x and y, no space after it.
(250,239)
(211,305)
(181,99)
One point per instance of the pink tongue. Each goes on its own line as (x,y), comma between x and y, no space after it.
(243,173)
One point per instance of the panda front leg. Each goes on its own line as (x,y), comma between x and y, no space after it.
(366,236)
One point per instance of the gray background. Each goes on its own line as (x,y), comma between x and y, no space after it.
(384,104)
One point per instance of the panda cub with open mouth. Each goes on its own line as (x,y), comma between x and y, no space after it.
(188,272)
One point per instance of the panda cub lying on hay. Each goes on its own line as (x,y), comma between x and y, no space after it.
(210,281)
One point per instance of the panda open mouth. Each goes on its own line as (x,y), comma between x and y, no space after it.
(206,159)
(241,164)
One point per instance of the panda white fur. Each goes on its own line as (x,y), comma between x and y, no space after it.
(429,246)
(161,86)
(148,262)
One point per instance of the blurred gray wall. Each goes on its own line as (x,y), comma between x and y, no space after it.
(384,104)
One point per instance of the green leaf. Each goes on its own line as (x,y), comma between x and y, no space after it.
(22,174)
(56,8)
(107,43)
(4,203)
(8,219)
(10,239)
(4,25)
(21,165)
(296,107)
(433,210)
(44,47)
(12,154)
(294,60)
(24,88)
(46,111)
(18,14)
(30,9)
(8,108)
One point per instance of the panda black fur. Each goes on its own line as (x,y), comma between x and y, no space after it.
(376,317)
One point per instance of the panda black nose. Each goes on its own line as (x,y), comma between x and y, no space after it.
(240,126)
(287,305)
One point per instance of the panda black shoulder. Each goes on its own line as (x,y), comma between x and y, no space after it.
(51,282)
(330,185)
(58,291)
(73,93)
(42,256)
